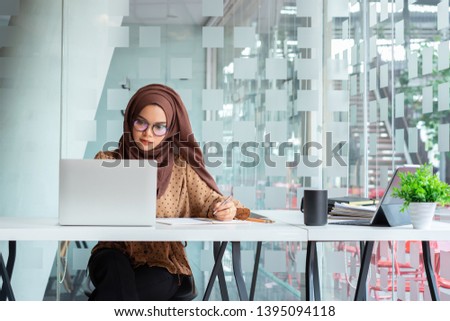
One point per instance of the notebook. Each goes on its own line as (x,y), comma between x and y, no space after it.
(388,209)
(107,192)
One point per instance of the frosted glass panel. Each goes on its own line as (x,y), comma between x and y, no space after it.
(442,15)
(337,8)
(338,100)
(443,96)
(244,37)
(400,105)
(307,68)
(412,65)
(443,137)
(413,136)
(427,100)
(84,130)
(427,60)
(337,69)
(384,10)
(443,55)
(150,37)
(384,109)
(276,69)
(149,68)
(373,79)
(308,166)
(181,68)
(400,32)
(114,129)
(118,37)
(373,111)
(277,131)
(212,8)
(186,96)
(275,197)
(275,165)
(118,7)
(212,37)
(117,99)
(276,99)
(399,140)
(212,99)
(246,195)
(244,131)
(384,76)
(212,131)
(309,37)
(308,100)
(80,258)
(245,68)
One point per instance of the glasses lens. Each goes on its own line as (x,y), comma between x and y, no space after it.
(159,130)
(140,125)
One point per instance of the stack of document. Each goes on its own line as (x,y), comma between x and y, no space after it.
(347,211)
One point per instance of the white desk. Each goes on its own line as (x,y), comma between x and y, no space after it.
(288,227)
(439,231)
(23,228)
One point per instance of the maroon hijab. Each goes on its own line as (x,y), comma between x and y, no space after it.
(178,140)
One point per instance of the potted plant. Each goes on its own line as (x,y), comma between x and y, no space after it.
(421,192)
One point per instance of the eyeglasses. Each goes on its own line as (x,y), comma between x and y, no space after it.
(158,129)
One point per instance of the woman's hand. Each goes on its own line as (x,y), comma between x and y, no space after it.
(224,212)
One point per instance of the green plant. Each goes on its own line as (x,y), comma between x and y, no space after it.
(422,186)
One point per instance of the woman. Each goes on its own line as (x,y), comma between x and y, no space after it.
(156,126)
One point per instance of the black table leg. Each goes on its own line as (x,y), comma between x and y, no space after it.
(434,291)
(6,291)
(311,273)
(255,270)
(215,270)
(237,270)
(361,287)
(7,271)
(221,275)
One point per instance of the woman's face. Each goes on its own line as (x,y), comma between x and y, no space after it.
(149,127)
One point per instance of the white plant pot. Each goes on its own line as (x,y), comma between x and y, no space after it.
(421,214)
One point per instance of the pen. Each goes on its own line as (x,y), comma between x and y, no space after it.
(223,203)
(259,220)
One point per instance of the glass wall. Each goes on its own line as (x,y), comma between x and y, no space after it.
(283,95)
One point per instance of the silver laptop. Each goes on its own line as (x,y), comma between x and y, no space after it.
(107,192)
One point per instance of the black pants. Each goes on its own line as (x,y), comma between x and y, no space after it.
(115,279)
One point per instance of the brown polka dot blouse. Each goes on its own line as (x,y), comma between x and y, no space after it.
(186,196)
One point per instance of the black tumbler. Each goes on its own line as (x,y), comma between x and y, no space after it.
(315,207)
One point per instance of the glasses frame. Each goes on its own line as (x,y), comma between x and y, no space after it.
(149,125)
